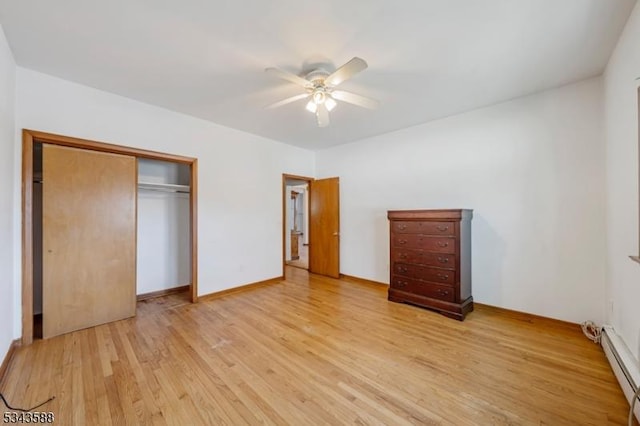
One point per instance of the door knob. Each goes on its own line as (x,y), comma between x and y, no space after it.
(335,234)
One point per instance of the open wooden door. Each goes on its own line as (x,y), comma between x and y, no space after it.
(88,239)
(324,227)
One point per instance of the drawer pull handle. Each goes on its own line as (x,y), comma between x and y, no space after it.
(443,277)
(443,292)
(443,259)
(402,241)
(401,283)
(442,228)
(402,227)
(402,256)
(403,269)
(443,245)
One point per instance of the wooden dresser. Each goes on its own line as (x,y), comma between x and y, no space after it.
(431,260)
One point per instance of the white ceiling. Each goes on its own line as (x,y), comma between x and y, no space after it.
(427,58)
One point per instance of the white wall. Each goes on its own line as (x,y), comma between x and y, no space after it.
(533,171)
(163,259)
(7,258)
(621,124)
(239,236)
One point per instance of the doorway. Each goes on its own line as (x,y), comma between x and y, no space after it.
(296,220)
(319,201)
(32,181)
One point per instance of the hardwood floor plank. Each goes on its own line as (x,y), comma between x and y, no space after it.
(316,350)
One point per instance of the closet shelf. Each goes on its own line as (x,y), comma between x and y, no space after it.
(164,187)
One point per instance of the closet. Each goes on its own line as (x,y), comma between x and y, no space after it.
(164,256)
(103,226)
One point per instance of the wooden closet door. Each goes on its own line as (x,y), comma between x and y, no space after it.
(89,238)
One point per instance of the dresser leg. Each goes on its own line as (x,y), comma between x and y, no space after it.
(453,315)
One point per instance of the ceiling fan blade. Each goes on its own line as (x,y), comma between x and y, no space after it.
(346,71)
(322,115)
(276,72)
(354,99)
(288,100)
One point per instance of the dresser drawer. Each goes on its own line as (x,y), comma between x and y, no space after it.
(435,291)
(441,260)
(433,244)
(425,273)
(428,228)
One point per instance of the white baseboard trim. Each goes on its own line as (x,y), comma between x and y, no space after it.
(624,365)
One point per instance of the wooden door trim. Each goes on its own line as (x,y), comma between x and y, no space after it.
(105,147)
(286,176)
(29,138)
(636,258)
(27,237)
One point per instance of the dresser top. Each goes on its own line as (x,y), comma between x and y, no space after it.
(444,214)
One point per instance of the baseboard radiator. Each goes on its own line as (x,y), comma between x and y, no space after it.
(623,364)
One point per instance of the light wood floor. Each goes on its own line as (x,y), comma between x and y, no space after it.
(312,351)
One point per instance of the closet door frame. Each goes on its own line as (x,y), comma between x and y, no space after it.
(31,137)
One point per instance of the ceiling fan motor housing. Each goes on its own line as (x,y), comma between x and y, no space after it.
(317,76)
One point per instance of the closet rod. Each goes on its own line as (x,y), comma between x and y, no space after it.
(182,189)
(164,187)
(164,190)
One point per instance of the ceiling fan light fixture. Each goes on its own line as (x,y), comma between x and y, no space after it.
(330,103)
(312,106)
(319,95)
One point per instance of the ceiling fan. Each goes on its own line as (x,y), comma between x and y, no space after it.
(320,85)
